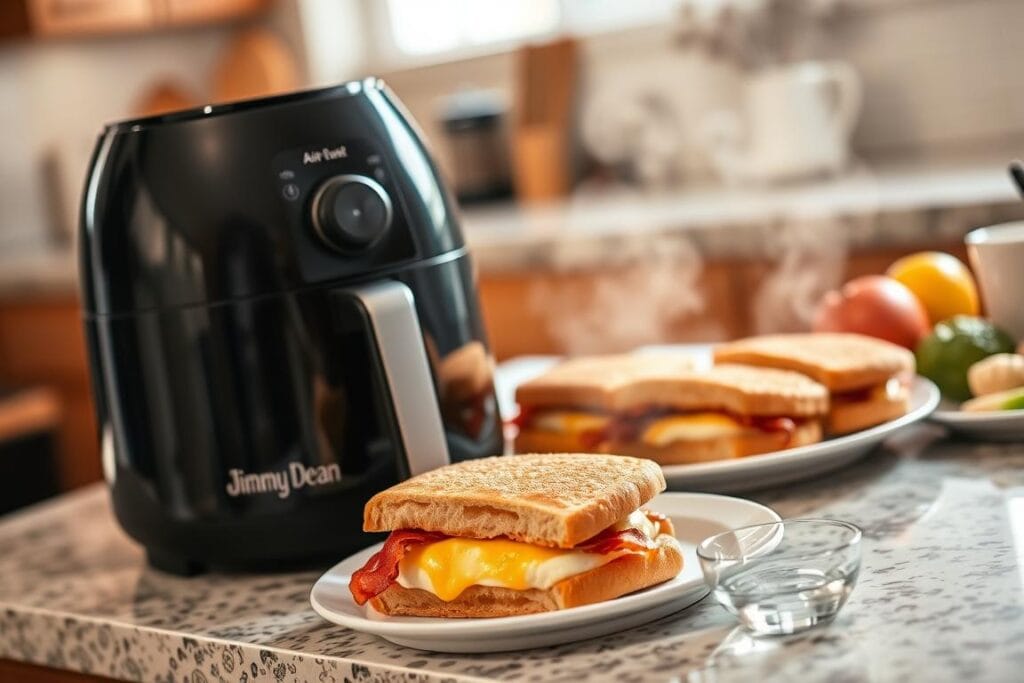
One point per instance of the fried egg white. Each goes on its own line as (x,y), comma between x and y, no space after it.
(691,427)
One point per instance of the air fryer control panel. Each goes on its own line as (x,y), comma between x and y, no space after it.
(344,210)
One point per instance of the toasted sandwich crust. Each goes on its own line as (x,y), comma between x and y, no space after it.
(619,577)
(474,602)
(842,362)
(845,417)
(736,389)
(616,384)
(591,382)
(555,500)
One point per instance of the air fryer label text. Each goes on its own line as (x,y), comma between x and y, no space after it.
(281,482)
(315,156)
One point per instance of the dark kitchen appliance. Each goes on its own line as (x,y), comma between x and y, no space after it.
(282,321)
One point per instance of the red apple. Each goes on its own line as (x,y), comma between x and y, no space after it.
(877,306)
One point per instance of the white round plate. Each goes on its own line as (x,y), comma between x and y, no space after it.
(695,517)
(997,425)
(771,469)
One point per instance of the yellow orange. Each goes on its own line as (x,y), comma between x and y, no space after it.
(941,281)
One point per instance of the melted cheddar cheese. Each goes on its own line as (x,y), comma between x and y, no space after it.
(446,568)
(569,422)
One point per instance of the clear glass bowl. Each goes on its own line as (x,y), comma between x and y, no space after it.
(783,577)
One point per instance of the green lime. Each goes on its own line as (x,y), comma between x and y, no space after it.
(1002,400)
(1014,402)
(955,345)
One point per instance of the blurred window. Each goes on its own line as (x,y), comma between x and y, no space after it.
(421,31)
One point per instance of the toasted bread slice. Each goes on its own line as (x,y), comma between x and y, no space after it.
(591,382)
(624,575)
(737,389)
(842,362)
(752,442)
(851,416)
(626,383)
(551,500)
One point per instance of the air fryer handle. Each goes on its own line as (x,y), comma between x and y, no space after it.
(395,327)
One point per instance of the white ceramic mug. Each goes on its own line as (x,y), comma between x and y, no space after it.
(997,257)
(796,123)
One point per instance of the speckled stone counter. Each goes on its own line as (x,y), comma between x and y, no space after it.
(941,597)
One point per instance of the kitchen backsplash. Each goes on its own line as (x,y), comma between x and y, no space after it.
(58,94)
(939,75)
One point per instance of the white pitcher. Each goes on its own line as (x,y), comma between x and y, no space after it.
(796,124)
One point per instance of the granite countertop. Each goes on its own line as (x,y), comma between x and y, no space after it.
(941,597)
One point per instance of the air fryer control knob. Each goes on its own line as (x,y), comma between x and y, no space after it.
(351,212)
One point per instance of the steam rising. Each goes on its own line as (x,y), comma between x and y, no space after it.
(643,291)
(809,256)
(648,289)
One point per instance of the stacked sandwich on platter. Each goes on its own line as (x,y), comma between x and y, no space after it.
(516,535)
(675,415)
(868,378)
(764,394)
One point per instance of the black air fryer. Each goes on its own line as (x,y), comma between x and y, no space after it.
(281,320)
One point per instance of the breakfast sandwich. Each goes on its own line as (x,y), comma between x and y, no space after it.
(660,407)
(511,535)
(868,378)
(567,408)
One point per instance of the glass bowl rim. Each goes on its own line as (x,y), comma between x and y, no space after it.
(855,539)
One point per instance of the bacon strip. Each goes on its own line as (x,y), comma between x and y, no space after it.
(774,425)
(380,571)
(590,439)
(523,418)
(609,541)
(857,395)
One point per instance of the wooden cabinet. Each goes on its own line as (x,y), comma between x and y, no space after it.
(177,12)
(11,670)
(55,18)
(42,343)
(71,17)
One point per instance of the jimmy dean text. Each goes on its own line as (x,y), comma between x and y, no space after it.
(281,482)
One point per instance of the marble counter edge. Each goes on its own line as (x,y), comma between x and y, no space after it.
(61,640)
